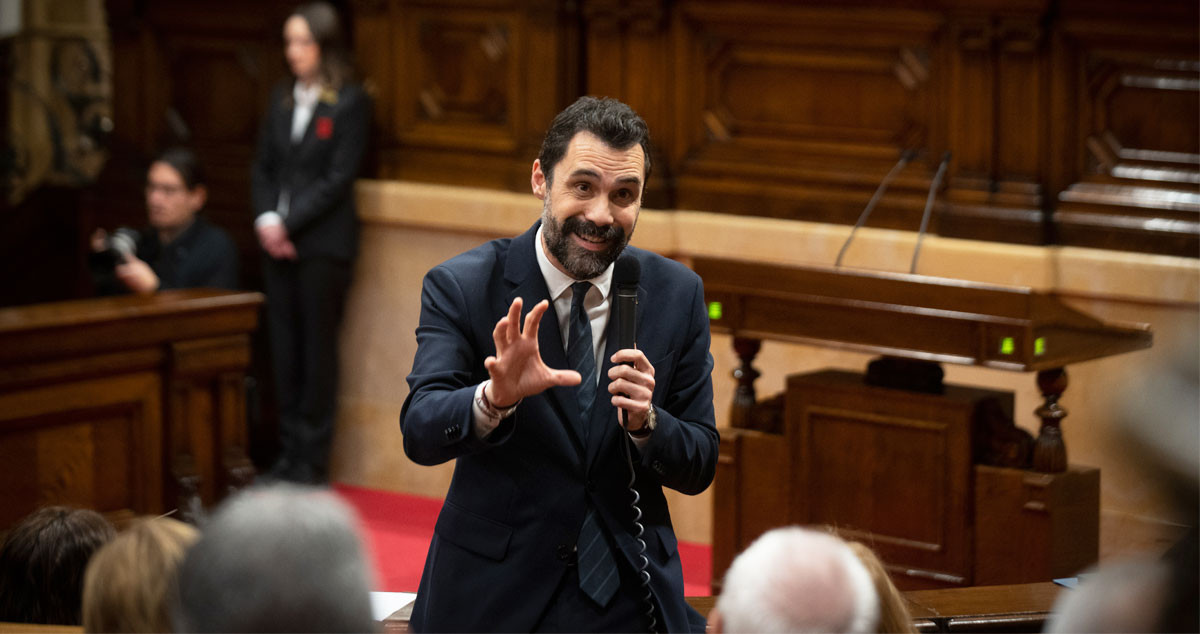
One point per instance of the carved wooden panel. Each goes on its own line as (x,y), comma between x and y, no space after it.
(798,112)
(1131,156)
(466,88)
(889,468)
(994,101)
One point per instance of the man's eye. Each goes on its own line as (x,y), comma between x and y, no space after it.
(583,187)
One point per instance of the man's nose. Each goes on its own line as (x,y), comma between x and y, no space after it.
(599,212)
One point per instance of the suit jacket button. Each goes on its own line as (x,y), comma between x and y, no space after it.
(657,465)
(563,552)
(591,486)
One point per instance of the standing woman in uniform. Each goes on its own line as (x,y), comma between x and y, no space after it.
(310,148)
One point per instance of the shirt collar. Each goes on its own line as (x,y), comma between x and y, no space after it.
(558,282)
(306,95)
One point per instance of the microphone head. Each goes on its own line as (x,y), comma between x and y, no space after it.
(627,271)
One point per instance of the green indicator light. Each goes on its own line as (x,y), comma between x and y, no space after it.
(1007,346)
(714,310)
(1039,346)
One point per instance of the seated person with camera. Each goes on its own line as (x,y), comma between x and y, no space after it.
(179,249)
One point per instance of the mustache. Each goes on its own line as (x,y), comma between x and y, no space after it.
(589,229)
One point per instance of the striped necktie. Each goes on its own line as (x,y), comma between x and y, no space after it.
(598,576)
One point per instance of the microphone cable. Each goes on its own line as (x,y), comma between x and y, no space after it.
(642,561)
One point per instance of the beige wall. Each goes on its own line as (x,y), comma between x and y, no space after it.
(411,227)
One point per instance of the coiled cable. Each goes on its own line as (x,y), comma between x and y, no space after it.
(642,561)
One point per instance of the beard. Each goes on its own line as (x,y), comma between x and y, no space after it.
(579,262)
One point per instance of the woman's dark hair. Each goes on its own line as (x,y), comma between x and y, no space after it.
(42,561)
(186,163)
(614,122)
(336,67)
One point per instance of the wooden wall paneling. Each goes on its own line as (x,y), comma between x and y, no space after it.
(1129,173)
(376,25)
(553,74)
(995,95)
(628,57)
(462,101)
(798,112)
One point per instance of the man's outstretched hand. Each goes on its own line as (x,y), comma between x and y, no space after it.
(517,369)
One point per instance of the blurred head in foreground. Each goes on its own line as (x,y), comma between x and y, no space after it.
(125,588)
(42,561)
(797,580)
(281,558)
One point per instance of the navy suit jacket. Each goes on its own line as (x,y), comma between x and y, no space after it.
(319,171)
(517,498)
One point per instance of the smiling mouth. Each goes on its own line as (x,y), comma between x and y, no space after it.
(591,243)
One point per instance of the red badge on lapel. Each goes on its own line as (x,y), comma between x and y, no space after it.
(324,127)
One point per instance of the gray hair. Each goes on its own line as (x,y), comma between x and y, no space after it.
(794,579)
(284,558)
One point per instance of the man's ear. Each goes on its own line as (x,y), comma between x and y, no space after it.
(199,197)
(537,180)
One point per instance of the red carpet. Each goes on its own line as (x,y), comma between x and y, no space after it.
(398,528)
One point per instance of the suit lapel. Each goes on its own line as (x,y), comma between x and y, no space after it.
(522,271)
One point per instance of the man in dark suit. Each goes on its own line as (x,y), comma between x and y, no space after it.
(537,532)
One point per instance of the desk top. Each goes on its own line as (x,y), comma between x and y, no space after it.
(910,316)
(1026,604)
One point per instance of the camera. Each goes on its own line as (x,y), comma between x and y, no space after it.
(118,244)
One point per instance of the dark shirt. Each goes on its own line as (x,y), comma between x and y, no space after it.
(202,256)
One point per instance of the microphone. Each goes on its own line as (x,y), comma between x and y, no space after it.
(626,275)
(905,157)
(933,187)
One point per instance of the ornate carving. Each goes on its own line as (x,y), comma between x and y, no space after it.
(744,396)
(60,112)
(1049,450)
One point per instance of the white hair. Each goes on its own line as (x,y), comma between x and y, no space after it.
(798,580)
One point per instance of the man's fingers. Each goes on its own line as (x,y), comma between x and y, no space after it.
(635,357)
(500,334)
(565,377)
(534,319)
(635,391)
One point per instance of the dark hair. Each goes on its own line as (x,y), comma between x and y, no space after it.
(336,67)
(42,562)
(186,163)
(614,122)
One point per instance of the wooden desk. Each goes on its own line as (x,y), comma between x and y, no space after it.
(1013,608)
(129,405)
